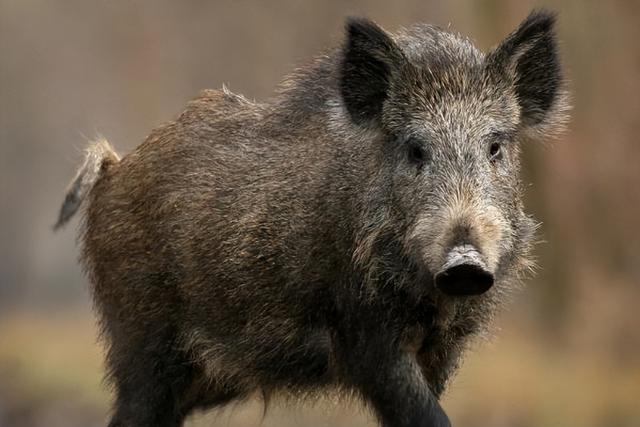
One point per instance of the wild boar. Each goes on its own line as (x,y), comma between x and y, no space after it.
(350,234)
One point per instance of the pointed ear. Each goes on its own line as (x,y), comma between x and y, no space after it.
(528,60)
(369,58)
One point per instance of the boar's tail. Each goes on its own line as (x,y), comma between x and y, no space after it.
(98,155)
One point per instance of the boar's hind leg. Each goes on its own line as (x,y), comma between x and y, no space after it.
(150,381)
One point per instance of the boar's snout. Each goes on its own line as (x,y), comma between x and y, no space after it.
(464,273)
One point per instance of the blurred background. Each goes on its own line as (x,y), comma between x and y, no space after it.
(565,353)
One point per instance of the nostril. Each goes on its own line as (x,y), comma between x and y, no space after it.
(464,279)
(464,272)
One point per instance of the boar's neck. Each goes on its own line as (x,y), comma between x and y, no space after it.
(339,158)
(306,98)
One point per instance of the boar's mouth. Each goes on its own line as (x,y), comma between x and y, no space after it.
(464,273)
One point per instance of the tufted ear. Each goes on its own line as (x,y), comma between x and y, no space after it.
(369,58)
(528,59)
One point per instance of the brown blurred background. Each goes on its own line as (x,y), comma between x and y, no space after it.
(566,352)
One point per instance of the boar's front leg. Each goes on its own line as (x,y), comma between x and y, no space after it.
(400,395)
(388,377)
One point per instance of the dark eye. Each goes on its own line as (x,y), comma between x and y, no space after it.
(495,151)
(416,152)
(496,146)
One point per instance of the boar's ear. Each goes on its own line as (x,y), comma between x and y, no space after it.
(528,59)
(369,58)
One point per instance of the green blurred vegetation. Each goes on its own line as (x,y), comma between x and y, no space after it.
(565,353)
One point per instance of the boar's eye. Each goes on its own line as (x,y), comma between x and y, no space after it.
(496,146)
(495,151)
(416,153)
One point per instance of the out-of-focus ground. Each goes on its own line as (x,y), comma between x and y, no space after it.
(50,372)
(565,353)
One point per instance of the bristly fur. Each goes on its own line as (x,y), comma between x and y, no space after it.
(99,154)
(291,247)
(530,55)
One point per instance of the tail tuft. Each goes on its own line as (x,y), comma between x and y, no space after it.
(98,154)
